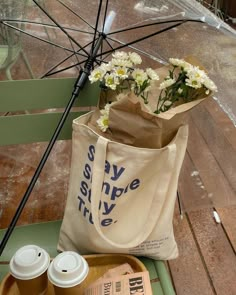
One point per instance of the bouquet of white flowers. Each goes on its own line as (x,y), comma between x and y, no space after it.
(183,83)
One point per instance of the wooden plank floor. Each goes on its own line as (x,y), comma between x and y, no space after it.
(207,261)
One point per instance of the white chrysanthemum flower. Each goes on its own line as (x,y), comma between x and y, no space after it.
(167,83)
(120,55)
(135,58)
(195,77)
(111,81)
(176,61)
(179,63)
(193,82)
(209,84)
(121,63)
(106,109)
(139,76)
(152,74)
(196,73)
(121,72)
(106,67)
(97,75)
(180,90)
(103,123)
(198,77)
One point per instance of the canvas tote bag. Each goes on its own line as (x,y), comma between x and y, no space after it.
(121,198)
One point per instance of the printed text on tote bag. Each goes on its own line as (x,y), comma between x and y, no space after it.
(108,188)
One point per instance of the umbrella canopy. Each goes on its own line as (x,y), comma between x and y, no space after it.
(58,36)
(77,19)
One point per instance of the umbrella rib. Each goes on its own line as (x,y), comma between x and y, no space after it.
(96,25)
(98,61)
(64,69)
(38,38)
(44,24)
(78,15)
(60,27)
(145,37)
(152,24)
(109,43)
(105,15)
(54,67)
(61,62)
(112,49)
(101,50)
(108,54)
(70,67)
(76,55)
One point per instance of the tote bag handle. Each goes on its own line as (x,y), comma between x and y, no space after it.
(98,178)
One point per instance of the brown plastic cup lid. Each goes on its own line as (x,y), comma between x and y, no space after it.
(29,262)
(68,269)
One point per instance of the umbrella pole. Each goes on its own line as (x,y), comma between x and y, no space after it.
(83,76)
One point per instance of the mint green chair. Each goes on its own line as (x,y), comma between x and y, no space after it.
(42,95)
(10,44)
(9,50)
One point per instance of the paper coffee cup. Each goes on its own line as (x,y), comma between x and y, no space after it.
(66,272)
(28,266)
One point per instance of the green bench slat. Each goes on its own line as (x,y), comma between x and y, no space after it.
(43,94)
(156,284)
(34,127)
(164,277)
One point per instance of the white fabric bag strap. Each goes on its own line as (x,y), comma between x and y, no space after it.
(96,192)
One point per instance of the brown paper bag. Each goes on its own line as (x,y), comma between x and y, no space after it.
(133,123)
